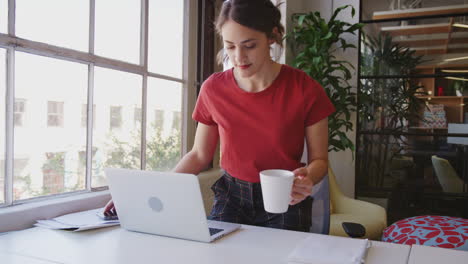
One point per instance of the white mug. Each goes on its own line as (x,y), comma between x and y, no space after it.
(276,190)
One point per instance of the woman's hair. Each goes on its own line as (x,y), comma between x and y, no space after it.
(260,15)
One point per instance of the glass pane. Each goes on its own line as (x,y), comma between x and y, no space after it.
(2,123)
(163,136)
(374,10)
(413,46)
(422,174)
(49,95)
(117,33)
(56,22)
(3,16)
(117,137)
(166,39)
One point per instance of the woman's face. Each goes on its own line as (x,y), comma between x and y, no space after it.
(247,49)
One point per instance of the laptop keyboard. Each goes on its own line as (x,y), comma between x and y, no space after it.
(214,231)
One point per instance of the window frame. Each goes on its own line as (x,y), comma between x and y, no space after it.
(12,44)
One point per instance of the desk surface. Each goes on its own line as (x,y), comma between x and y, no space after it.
(250,244)
(433,255)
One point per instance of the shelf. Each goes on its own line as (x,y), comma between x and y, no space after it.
(417,29)
(440,66)
(441,97)
(416,12)
(429,128)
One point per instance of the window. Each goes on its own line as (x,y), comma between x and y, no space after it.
(19,111)
(55,84)
(115,117)
(53,172)
(54,114)
(118,32)
(137,116)
(116,147)
(3,16)
(163,144)
(61,83)
(160,60)
(60,23)
(2,123)
(84,115)
(159,119)
(176,120)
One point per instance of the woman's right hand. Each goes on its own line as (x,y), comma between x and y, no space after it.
(109,209)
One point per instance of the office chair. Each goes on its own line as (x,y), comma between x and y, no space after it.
(338,215)
(447,176)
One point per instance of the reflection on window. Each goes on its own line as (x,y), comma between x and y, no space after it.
(115,117)
(54,114)
(19,111)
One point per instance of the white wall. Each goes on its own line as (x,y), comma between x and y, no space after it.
(342,163)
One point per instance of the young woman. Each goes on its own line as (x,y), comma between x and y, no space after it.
(261,112)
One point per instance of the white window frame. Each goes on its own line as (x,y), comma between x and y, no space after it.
(12,44)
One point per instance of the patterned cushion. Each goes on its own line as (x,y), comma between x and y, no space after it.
(428,230)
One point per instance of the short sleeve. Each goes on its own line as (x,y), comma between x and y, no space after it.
(202,112)
(317,104)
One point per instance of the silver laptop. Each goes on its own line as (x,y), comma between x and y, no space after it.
(163,203)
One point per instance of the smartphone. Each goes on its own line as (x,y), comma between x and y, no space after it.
(107,217)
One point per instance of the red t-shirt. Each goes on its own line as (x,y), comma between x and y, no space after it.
(262,130)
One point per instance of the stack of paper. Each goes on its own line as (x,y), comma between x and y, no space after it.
(78,221)
(330,250)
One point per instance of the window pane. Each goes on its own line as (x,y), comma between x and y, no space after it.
(48,144)
(166,39)
(117,32)
(3,16)
(163,126)
(56,22)
(2,123)
(116,139)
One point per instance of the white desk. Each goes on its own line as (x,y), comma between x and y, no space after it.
(115,245)
(432,255)
(11,258)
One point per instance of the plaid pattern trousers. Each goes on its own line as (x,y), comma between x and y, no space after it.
(239,201)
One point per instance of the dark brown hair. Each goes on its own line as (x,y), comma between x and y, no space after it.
(260,15)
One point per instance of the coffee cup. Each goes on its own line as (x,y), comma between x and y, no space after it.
(276,189)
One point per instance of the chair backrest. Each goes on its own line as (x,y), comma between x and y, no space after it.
(447,176)
(321,207)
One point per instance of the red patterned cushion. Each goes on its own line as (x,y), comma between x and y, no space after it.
(429,230)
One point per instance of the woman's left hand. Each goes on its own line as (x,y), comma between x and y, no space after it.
(302,186)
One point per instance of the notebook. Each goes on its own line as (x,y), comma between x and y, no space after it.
(163,203)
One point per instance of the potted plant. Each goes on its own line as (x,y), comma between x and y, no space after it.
(313,42)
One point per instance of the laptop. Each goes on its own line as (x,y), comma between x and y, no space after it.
(163,203)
